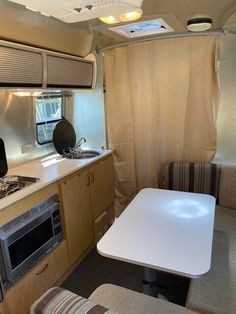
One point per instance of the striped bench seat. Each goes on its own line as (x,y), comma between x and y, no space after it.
(194,177)
(60,301)
(119,300)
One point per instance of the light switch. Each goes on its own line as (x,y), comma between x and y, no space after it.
(26,148)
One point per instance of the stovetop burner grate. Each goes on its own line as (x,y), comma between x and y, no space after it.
(11,184)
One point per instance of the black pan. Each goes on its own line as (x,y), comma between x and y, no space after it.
(64,137)
(3,159)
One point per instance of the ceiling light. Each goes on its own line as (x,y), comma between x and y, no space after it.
(109,19)
(22,93)
(199,24)
(123,17)
(131,16)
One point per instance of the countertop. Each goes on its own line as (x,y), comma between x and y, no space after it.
(48,169)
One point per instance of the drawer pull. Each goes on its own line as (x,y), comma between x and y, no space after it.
(42,270)
(88,180)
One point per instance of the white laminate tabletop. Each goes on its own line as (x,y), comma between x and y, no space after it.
(164,230)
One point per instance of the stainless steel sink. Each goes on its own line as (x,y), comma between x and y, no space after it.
(88,154)
(81,154)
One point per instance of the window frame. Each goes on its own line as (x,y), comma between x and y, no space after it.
(47,122)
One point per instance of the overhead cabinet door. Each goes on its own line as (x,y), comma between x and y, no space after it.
(20,68)
(67,72)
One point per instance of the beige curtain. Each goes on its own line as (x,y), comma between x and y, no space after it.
(161,103)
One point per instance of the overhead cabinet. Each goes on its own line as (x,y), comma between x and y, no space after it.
(68,72)
(20,68)
(25,66)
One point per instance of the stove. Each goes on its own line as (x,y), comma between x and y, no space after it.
(11,184)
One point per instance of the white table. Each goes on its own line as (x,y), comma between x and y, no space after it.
(164,230)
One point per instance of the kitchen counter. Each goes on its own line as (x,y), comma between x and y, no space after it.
(48,169)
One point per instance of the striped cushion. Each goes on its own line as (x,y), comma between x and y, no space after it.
(57,301)
(192,177)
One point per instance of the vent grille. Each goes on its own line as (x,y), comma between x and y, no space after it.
(20,68)
(141,29)
(71,11)
(69,73)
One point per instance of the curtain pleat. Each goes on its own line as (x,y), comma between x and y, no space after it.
(161,104)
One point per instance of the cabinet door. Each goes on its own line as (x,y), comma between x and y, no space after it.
(38,280)
(4,308)
(102,186)
(75,193)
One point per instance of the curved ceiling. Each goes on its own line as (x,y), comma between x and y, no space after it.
(175,14)
(22,25)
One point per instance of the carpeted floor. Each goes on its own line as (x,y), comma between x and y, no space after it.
(95,270)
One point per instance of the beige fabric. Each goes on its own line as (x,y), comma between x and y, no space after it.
(225,220)
(227,189)
(161,102)
(125,301)
(215,293)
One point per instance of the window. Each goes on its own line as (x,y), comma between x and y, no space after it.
(48,113)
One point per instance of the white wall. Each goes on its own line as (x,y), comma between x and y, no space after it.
(89,114)
(226,119)
(17,128)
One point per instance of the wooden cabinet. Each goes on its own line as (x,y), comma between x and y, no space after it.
(102,196)
(39,279)
(75,196)
(84,197)
(102,186)
(4,308)
(86,201)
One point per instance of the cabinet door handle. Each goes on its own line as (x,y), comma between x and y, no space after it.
(42,270)
(91,177)
(88,180)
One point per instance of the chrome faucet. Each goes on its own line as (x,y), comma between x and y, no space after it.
(82,139)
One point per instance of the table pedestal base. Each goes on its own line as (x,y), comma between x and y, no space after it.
(173,287)
(150,282)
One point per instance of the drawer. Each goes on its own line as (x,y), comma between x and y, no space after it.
(39,279)
(100,226)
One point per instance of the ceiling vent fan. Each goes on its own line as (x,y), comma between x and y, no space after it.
(141,29)
(71,11)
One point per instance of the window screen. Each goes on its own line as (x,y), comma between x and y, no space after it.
(48,113)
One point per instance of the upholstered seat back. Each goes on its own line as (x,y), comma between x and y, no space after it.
(192,177)
(227,189)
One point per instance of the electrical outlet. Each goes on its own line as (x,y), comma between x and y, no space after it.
(26,148)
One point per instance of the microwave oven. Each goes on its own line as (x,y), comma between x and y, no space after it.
(27,238)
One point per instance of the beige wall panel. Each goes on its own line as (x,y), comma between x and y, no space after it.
(24,26)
